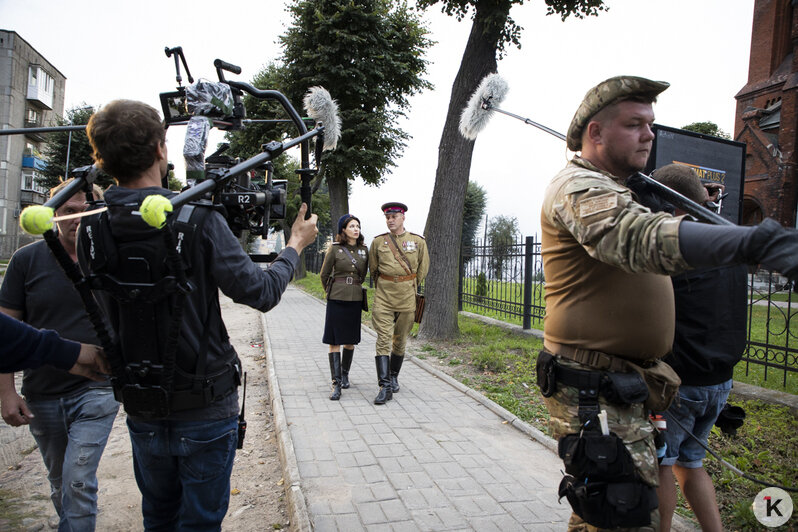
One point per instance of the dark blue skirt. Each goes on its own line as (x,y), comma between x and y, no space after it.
(342,324)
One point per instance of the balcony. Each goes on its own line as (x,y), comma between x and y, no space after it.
(30,161)
(35,122)
(41,87)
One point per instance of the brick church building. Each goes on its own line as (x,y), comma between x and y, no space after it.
(767,114)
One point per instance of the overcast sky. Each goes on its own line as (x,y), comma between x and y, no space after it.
(110,50)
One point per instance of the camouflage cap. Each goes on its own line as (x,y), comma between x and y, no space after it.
(605,93)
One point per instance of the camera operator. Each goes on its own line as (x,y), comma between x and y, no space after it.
(183,452)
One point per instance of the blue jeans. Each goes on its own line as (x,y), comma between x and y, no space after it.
(71,433)
(183,471)
(697,408)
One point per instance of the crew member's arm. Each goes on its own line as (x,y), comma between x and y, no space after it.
(22,346)
(13,407)
(241,279)
(768,243)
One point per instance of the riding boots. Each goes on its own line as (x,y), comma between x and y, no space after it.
(383,379)
(335,372)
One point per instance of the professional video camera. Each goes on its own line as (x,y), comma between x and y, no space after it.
(248,205)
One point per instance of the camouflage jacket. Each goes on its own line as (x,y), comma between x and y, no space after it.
(605,260)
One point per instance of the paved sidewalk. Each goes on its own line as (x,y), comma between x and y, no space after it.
(433,458)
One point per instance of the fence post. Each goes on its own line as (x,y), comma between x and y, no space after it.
(529,244)
(460,281)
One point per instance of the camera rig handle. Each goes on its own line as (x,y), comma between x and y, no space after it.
(177,51)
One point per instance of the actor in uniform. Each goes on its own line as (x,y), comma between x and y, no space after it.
(399,262)
(609,300)
(342,274)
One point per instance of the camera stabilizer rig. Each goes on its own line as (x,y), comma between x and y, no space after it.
(227,181)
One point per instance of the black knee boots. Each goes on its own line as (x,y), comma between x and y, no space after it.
(335,373)
(346,363)
(396,365)
(383,379)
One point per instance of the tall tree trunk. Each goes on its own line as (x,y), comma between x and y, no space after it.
(444,221)
(339,199)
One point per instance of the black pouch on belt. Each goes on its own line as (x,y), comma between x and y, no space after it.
(610,504)
(595,456)
(546,367)
(624,388)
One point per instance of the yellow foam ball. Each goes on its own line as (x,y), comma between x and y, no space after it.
(153,210)
(36,219)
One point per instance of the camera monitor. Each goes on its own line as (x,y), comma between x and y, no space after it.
(716,160)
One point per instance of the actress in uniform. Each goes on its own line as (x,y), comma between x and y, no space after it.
(342,275)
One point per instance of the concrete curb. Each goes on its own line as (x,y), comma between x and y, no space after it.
(295,499)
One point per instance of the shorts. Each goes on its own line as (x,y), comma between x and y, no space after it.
(696,408)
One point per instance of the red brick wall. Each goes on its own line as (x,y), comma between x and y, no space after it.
(771,172)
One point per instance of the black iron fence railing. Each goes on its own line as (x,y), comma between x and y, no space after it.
(503,279)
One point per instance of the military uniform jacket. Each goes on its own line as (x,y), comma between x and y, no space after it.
(338,265)
(606,260)
(398,296)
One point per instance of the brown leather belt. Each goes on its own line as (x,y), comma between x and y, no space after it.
(594,359)
(347,280)
(398,278)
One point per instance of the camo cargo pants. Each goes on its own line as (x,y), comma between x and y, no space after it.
(630,423)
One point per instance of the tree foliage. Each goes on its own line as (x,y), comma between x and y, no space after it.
(55,149)
(474,208)
(491,30)
(369,54)
(707,128)
(502,234)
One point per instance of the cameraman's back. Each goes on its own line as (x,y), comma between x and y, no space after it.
(180,391)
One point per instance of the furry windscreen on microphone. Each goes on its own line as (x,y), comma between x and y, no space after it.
(322,108)
(492,90)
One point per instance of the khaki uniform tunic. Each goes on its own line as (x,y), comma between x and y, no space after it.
(338,265)
(395,302)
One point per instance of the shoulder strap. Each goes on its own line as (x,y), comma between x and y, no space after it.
(398,254)
(348,254)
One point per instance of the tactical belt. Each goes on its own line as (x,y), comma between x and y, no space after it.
(594,359)
(398,278)
(213,390)
(348,280)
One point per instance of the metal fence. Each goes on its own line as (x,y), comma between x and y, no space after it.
(772,327)
(503,279)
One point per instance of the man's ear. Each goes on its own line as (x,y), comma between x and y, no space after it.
(593,132)
(160,150)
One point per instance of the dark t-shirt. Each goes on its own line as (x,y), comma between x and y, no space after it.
(710,324)
(35,284)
